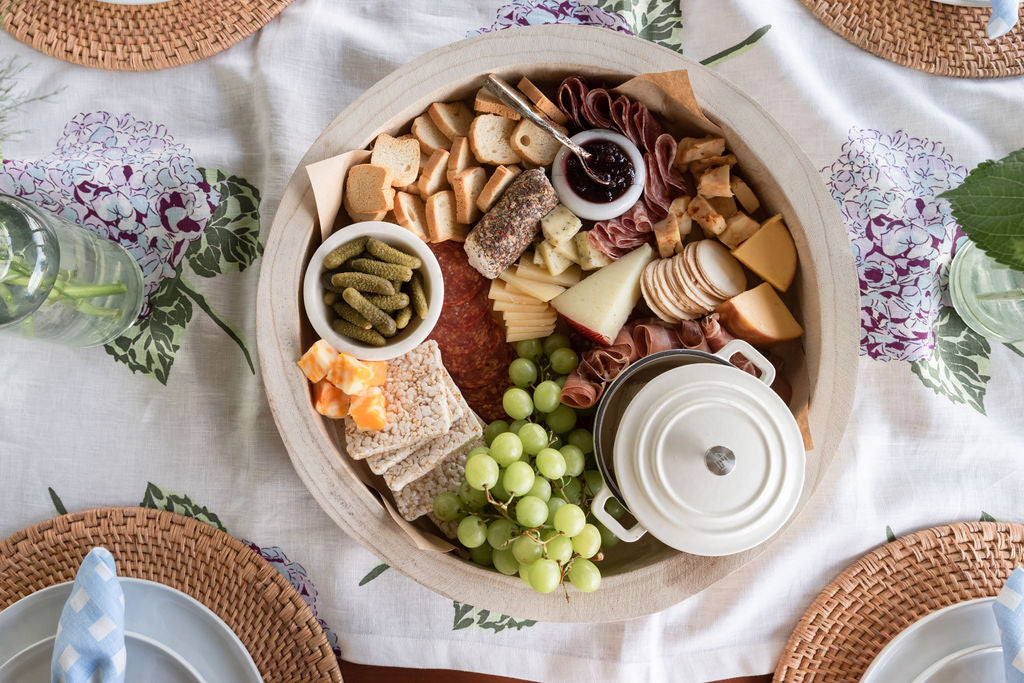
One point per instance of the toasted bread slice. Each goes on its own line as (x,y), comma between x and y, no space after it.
(433,177)
(467,187)
(402,157)
(431,139)
(441,222)
(496,185)
(533,145)
(360,217)
(411,188)
(460,157)
(368,189)
(489,136)
(411,214)
(549,108)
(452,119)
(487,103)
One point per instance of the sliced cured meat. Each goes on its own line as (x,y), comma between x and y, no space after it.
(597,109)
(621,235)
(691,337)
(717,337)
(570,96)
(598,367)
(461,281)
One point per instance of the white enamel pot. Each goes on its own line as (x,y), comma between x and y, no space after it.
(706,457)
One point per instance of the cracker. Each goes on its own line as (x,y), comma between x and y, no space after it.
(424,458)
(416,498)
(449,529)
(417,411)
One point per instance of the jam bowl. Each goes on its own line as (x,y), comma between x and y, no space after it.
(613,156)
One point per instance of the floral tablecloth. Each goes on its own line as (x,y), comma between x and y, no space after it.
(172,415)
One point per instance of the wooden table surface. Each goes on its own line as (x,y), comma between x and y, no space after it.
(361,673)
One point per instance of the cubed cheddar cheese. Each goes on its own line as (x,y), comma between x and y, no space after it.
(378,372)
(367,409)
(329,400)
(316,362)
(349,374)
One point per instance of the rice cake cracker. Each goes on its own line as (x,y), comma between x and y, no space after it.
(416,498)
(417,409)
(424,458)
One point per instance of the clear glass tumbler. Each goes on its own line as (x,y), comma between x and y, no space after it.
(988,295)
(60,282)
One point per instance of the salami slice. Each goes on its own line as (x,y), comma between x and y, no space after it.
(461,281)
(570,96)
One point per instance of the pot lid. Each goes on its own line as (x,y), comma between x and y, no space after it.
(709,459)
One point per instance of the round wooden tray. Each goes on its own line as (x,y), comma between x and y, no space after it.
(643,577)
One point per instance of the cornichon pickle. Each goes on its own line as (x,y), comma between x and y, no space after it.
(381,321)
(330,297)
(346,328)
(363,282)
(388,253)
(325,278)
(403,317)
(350,314)
(418,296)
(344,253)
(388,271)
(389,303)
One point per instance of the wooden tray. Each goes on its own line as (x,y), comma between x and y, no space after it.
(646,576)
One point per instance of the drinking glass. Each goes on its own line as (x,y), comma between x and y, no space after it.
(988,295)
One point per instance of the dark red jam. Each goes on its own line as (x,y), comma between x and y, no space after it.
(607,160)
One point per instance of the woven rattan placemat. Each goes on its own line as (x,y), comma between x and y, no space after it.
(106,35)
(923,34)
(261,607)
(892,587)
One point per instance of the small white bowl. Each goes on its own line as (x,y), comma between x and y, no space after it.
(320,314)
(595,211)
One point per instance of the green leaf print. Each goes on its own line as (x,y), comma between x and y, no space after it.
(150,345)
(958,366)
(985,517)
(374,573)
(231,240)
(1017,348)
(58,504)
(737,49)
(660,21)
(161,499)
(889,535)
(467,616)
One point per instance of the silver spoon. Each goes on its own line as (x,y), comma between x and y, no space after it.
(522,106)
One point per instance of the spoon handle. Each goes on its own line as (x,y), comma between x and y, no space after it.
(516,101)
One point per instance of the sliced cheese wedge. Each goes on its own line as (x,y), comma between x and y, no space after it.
(542,291)
(759,316)
(533,306)
(499,292)
(566,278)
(770,253)
(521,319)
(520,335)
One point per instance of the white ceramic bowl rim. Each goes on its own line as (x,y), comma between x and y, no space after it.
(406,340)
(597,211)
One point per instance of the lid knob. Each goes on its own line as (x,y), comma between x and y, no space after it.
(719,460)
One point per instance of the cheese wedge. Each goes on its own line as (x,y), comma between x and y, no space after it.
(770,253)
(567,278)
(542,291)
(759,316)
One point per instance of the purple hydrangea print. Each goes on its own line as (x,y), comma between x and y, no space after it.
(902,235)
(297,577)
(124,179)
(535,12)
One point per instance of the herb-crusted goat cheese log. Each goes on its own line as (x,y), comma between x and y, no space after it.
(511,225)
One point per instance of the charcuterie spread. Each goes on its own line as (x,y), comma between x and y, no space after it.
(485,428)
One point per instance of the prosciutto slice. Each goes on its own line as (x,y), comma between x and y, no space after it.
(625,233)
(691,337)
(598,366)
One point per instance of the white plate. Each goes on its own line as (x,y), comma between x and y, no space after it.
(167,616)
(981,663)
(928,641)
(147,660)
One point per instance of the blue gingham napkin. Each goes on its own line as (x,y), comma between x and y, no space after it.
(1009,609)
(1004,17)
(90,634)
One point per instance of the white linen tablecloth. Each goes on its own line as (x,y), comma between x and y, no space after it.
(929,442)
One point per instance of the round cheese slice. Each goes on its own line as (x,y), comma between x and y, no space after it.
(690,265)
(672,299)
(648,294)
(720,268)
(703,299)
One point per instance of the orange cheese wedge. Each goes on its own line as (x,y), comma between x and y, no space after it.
(317,361)
(368,410)
(329,400)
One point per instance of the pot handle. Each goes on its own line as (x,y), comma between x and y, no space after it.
(753,355)
(597,507)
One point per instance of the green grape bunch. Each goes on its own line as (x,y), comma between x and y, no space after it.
(523,505)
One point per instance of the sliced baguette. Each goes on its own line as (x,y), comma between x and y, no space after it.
(467,187)
(430,138)
(533,145)
(489,138)
(368,189)
(434,178)
(496,185)
(487,103)
(411,214)
(401,157)
(361,217)
(452,119)
(460,157)
(549,108)
(441,221)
